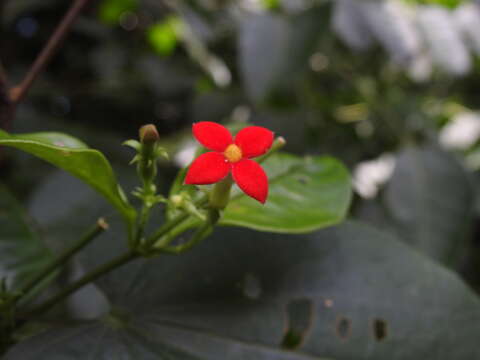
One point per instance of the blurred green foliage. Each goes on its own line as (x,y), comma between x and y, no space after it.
(110,11)
(164,36)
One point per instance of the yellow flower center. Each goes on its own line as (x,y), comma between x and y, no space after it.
(233,153)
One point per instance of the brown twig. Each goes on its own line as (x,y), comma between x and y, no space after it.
(6,106)
(18,92)
(3,78)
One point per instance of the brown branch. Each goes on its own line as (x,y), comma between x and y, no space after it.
(18,92)
(3,77)
(6,107)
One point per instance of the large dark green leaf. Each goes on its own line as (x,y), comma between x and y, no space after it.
(431,201)
(306,194)
(271,46)
(22,253)
(72,155)
(348,292)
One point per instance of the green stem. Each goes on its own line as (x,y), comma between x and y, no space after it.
(169,225)
(91,276)
(279,143)
(99,228)
(199,235)
(165,228)
(142,222)
(220,195)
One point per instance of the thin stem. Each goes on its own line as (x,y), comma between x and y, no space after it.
(18,92)
(165,228)
(91,276)
(198,236)
(169,225)
(279,143)
(201,233)
(99,228)
(142,222)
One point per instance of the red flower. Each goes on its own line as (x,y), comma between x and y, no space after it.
(231,155)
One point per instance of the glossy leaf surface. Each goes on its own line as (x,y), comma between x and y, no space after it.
(75,157)
(306,194)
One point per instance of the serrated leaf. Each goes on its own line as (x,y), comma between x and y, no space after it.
(75,157)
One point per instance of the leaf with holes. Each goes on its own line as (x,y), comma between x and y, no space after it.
(306,194)
(431,202)
(22,253)
(73,156)
(345,293)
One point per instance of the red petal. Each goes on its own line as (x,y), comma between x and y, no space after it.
(251,178)
(254,141)
(212,135)
(208,168)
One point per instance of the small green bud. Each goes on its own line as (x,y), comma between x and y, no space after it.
(177,200)
(149,134)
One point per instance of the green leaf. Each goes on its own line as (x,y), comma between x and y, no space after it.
(22,253)
(110,11)
(452,4)
(348,292)
(430,200)
(75,157)
(164,36)
(306,194)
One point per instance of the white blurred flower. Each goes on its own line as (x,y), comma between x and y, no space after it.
(350,25)
(421,68)
(369,176)
(185,156)
(443,39)
(467,20)
(462,131)
(392,23)
(418,37)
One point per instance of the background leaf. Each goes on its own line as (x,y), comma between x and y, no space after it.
(73,156)
(431,202)
(239,294)
(270,47)
(22,253)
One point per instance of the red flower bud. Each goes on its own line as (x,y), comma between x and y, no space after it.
(149,134)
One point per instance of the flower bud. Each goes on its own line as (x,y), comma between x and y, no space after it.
(149,134)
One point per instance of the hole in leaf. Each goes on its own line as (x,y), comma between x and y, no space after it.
(343,328)
(299,321)
(380,329)
(252,288)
